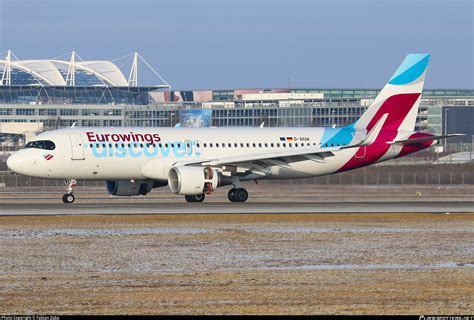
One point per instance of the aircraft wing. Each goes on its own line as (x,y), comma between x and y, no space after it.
(317,153)
(259,165)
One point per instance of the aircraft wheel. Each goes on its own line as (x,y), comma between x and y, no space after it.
(241,195)
(231,195)
(195,198)
(68,198)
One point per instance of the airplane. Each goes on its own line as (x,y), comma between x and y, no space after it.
(194,162)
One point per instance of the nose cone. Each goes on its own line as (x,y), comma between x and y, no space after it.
(16,163)
(12,162)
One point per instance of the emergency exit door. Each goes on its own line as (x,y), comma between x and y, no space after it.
(77,146)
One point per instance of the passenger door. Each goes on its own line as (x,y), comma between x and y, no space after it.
(77,146)
(360,153)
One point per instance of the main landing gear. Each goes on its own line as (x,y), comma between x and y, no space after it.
(195,198)
(238,195)
(69,197)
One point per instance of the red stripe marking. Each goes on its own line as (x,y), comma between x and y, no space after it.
(49,157)
(397,107)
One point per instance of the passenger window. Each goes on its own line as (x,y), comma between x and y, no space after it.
(235,145)
(284,145)
(210,145)
(205,145)
(254,145)
(296,145)
(266,145)
(217,145)
(259,145)
(271,145)
(229,145)
(278,145)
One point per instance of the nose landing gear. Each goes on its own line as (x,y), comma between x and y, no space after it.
(69,197)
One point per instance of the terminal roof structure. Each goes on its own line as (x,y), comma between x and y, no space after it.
(14,72)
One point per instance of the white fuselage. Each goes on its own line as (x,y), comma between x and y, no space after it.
(123,153)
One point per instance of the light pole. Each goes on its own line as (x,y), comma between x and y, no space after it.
(445,127)
(472,147)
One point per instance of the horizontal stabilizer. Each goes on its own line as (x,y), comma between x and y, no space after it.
(424,139)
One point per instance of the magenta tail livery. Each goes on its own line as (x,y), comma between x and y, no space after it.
(195,161)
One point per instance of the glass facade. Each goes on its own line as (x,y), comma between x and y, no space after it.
(82,78)
(75,95)
(21,78)
(347,94)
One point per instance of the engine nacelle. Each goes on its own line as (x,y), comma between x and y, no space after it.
(129,188)
(188,180)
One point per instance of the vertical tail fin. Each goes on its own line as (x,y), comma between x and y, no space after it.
(399,98)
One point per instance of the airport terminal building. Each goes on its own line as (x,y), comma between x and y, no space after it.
(58,93)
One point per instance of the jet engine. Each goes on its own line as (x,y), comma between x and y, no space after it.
(131,188)
(189,180)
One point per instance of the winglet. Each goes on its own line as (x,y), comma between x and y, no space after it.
(374,132)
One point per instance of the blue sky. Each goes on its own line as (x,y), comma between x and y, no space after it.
(218,44)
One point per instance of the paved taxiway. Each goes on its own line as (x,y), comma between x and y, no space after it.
(107,208)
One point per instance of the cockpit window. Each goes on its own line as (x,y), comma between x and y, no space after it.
(41,144)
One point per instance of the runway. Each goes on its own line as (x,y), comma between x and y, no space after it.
(135,208)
